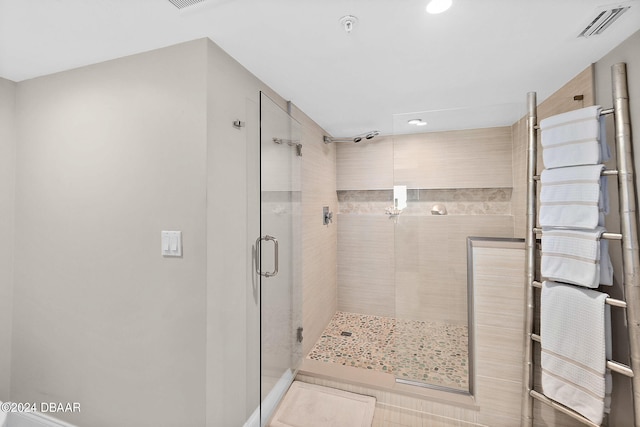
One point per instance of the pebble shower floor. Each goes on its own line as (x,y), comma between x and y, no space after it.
(428,352)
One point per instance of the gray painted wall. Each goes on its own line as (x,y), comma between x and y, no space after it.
(233,209)
(110,155)
(7,205)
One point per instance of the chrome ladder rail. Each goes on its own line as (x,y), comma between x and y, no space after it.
(630,251)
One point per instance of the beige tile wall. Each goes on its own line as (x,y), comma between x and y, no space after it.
(365,166)
(519,193)
(366,264)
(319,241)
(497,276)
(563,100)
(431,263)
(415,267)
(475,158)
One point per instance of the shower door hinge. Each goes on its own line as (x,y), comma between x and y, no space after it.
(299,336)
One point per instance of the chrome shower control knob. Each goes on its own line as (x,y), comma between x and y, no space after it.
(327,216)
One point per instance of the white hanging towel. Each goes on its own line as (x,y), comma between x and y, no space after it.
(575,332)
(603,201)
(576,256)
(573,197)
(574,138)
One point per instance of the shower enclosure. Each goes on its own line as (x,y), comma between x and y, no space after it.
(277,254)
(407,204)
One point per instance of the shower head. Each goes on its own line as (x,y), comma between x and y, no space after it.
(368,135)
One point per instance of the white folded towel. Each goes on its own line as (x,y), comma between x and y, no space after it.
(605,151)
(576,256)
(603,200)
(574,138)
(575,336)
(606,267)
(573,197)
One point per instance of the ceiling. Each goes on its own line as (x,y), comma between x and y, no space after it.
(479,56)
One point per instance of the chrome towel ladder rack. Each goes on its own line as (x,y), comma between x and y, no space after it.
(630,253)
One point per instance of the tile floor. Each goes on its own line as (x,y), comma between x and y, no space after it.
(429,352)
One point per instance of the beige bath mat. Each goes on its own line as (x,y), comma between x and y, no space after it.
(310,405)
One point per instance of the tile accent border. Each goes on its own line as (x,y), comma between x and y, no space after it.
(459,201)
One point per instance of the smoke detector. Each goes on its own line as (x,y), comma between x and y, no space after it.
(602,20)
(348,22)
(181,4)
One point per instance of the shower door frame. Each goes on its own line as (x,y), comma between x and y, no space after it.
(410,214)
(279,280)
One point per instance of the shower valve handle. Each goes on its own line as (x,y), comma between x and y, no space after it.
(327,216)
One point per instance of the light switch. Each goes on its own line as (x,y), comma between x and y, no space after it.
(171,243)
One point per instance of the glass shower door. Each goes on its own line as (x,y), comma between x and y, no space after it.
(431,345)
(278,247)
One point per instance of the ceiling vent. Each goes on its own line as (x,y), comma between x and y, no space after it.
(602,20)
(181,4)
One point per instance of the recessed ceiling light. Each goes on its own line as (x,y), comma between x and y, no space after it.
(438,6)
(417,122)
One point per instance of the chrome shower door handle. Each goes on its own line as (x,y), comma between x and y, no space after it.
(259,255)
